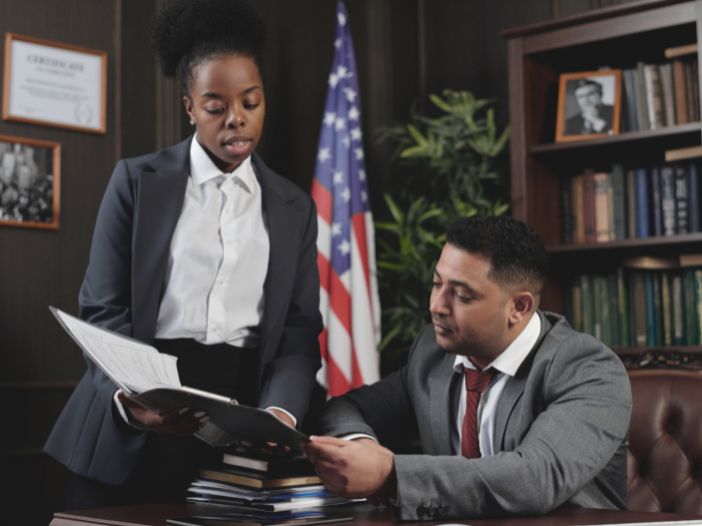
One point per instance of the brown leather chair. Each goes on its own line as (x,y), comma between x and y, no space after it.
(665,441)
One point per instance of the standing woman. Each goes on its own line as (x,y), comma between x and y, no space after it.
(204,252)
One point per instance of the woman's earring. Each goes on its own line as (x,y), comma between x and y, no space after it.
(192,122)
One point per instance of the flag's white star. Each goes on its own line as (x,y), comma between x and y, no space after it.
(344,247)
(350,95)
(354,113)
(346,195)
(324,154)
(364,196)
(341,18)
(337,43)
(340,124)
(359,153)
(342,72)
(346,141)
(338,177)
(356,134)
(329,118)
(362,175)
(333,80)
(336,229)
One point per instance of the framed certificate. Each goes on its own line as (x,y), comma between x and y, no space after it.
(30,182)
(54,84)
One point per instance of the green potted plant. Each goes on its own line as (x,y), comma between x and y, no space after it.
(454,170)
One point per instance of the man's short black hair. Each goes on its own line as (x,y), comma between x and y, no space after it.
(589,82)
(186,33)
(516,253)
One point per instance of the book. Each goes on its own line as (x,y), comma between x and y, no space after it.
(641,184)
(680,51)
(693,207)
(668,200)
(249,480)
(681,154)
(618,209)
(589,207)
(681,201)
(602,198)
(666,74)
(655,193)
(631,204)
(151,379)
(642,114)
(630,95)
(268,462)
(680,92)
(665,305)
(578,207)
(654,96)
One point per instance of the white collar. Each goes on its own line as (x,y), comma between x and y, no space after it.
(202,169)
(512,357)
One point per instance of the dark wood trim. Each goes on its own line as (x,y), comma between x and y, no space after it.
(635,351)
(589,16)
(682,239)
(518,138)
(616,139)
(30,452)
(38,386)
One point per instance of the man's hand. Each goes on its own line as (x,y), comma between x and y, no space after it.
(593,117)
(353,468)
(183,422)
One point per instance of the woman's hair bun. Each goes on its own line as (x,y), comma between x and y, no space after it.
(195,28)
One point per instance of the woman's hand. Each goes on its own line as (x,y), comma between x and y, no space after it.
(182,422)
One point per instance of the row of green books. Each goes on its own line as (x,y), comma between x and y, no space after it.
(639,307)
(629,203)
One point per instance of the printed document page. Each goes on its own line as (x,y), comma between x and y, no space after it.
(134,366)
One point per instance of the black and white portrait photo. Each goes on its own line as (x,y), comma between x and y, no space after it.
(588,105)
(29,182)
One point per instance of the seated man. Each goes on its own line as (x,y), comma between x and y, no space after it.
(549,428)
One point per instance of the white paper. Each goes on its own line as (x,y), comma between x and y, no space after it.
(134,366)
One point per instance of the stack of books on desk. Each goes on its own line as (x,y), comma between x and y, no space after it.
(261,488)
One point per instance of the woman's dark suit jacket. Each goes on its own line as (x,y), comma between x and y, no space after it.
(125,281)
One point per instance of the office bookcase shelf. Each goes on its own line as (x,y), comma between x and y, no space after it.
(617,37)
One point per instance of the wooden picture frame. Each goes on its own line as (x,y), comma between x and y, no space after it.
(54,84)
(30,182)
(589,105)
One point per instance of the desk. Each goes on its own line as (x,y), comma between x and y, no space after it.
(156,514)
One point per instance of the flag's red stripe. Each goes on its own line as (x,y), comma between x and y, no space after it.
(359,230)
(324,270)
(323,199)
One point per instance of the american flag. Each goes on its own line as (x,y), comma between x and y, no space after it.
(346,245)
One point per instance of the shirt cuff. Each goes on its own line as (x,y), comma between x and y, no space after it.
(354,436)
(283,411)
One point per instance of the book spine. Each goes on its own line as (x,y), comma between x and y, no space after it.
(693,187)
(698,299)
(677,310)
(567,218)
(668,200)
(610,292)
(650,310)
(577,301)
(623,304)
(657,309)
(601,183)
(690,299)
(666,72)
(695,90)
(642,99)
(578,194)
(667,315)
(679,91)
(637,305)
(654,96)
(681,200)
(618,202)
(589,207)
(655,193)
(641,203)
(630,99)
(631,204)
(588,304)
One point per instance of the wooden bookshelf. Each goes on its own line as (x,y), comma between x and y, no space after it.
(615,37)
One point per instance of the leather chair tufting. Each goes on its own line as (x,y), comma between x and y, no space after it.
(665,441)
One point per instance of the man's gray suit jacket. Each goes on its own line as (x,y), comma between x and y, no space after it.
(125,281)
(560,432)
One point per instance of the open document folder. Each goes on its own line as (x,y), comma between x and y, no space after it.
(151,379)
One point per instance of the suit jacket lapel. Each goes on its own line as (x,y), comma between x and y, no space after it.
(440,405)
(514,389)
(160,200)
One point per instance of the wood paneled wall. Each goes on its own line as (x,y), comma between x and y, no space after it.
(405,49)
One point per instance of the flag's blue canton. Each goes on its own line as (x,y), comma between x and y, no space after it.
(340,165)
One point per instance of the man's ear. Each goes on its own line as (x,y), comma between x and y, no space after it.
(188,105)
(522,304)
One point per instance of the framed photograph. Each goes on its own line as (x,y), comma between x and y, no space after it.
(589,105)
(54,84)
(30,182)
